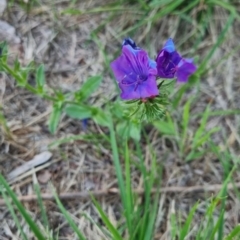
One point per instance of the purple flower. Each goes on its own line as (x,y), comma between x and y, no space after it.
(170,64)
(135,72)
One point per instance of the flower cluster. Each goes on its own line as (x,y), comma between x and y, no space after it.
(137,74)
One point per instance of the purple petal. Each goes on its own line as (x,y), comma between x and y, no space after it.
(185,69)
(138,60)
(122,67)
(135,73)
(146,89)
(129,91)
(167,63)
(149,88)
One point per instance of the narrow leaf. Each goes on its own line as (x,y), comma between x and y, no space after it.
(101,117)
(135,131)
(88,88)
(78,111)
(54,119)
(40,76)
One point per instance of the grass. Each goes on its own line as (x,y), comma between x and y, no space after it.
(192,145)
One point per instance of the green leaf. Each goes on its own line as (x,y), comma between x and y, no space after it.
(88,88)
(78,111)
(40,76)
(165,127)
(135,131)
(122,129)
(167,86)
(17,65)
(100,117)
(54,118)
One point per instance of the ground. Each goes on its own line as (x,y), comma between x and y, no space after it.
(78,39)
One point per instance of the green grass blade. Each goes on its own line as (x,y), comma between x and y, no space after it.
(174,226)
(206,137)
(233,234)
(179,94)
(116,162)
(167,9)
(68,218)
(10,207)
(151,222)
(98,225)
(22,210)
(185,121)
(152,210)
(105,219)
(42,208)
(129,197)
(202,126)
(185,229)
(227,6)
(217,227)
(147,191)
(221,113)
(221,38)
(137,226)
(220,223)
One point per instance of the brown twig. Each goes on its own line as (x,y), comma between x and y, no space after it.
(99,193)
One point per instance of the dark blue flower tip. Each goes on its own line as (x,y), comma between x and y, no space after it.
(129,41)
(169,46)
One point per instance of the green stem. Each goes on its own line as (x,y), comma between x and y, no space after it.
(27,86)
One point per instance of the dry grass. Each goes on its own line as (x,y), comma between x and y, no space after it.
(64,44)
